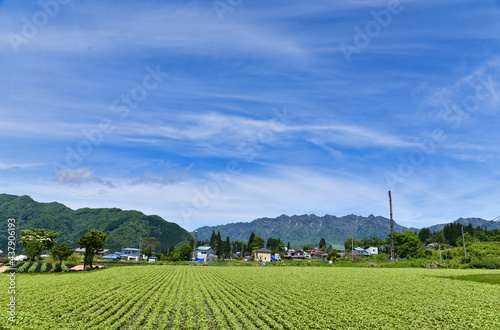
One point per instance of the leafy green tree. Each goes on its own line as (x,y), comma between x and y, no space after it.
(350,242)
(307,247)
(332,255)
(258,243)
(61,252)
(274,244)
(175,256)
(424,234)
(468,239)
(407,243)
(150,245)
(92,241)
(185,252)
(37,240)
(160,256)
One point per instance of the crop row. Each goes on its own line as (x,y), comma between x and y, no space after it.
(177,297)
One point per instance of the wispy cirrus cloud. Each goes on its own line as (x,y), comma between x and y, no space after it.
(346,124)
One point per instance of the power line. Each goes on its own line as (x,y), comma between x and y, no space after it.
(491,222)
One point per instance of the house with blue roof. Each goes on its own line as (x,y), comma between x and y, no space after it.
(113,256)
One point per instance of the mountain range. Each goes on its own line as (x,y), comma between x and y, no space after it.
(305,229)
(123,228)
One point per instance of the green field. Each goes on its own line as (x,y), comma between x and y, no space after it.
(197,297)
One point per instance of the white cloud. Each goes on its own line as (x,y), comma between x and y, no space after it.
(80,176)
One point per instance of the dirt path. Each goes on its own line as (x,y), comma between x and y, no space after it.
(4,268)
(80,267)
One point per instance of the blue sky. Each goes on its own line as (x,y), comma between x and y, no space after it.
(208,112)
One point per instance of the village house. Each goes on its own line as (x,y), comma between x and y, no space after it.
(263,255)
(297,255)
(316,253)
(113,256)
(205,254)
(431,245)
(358,251)
(372,250)
(130,254)
(100,252)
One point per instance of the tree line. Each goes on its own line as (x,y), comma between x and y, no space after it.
(36,240)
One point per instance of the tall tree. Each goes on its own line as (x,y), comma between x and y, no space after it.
(92,241)
(250,242)
(185,252)
(150,245)
(219,246)
(258,242)
(37,240)
(322,243)
(424,234)
(408,244)
(213,239)
(227,247)
(61,252)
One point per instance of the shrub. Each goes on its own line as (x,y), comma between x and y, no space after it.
(64,267)
(43,269)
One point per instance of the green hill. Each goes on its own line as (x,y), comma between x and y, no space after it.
(122,227)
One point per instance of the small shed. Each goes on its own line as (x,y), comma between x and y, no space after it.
(372,250)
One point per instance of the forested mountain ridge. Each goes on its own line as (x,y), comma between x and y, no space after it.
(123,228)
(474,222)
(305,229)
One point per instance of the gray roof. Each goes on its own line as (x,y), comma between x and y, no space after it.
(130,249)
(263,250)
(204,248)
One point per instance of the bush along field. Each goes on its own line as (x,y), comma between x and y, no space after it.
(164,297)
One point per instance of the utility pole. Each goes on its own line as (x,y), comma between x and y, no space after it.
(352,248)
(393,254)
(463,240)
(194,246)
(140,248)
(445,253)
(439,244)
